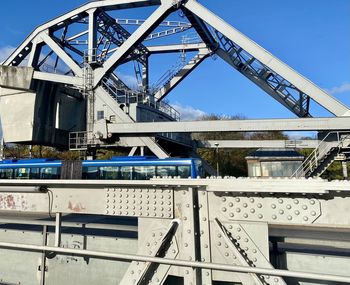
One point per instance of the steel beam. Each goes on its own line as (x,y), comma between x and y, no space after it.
(181,263)
(157,17)
(181,74)
(76,15)
(175,48)
(53,77)
(257,144)
(309,124)
(62,54)
(303,84)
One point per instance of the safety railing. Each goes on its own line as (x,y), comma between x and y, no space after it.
(125,96)
(320,152)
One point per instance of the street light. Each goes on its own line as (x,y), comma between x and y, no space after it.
(217,159)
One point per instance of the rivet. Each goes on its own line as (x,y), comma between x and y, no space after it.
(219,235)
(306,218)
(218,244)
(280,201)
(289,218)
(259,205)
(273,206)
(260,216)
(186,244)
(281,212)
(254,250)
(238,229)
(204,219)
(304,207)
(232,215)
(238,210)
(297,212)
(237,200)
(226,254)
(312,202)
(251,200)
(223,199)
(296,202)
(274,217)
(245,216)
(230,204)
(223,209)
(313,213)
(252,211)
(245,205)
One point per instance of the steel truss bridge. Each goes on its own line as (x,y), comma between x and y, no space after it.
(62,87)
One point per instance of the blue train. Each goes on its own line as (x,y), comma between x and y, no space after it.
(121,168)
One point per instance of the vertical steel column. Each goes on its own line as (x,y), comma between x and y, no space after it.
(88,73)
(43,257)
(58,227)
(145,75)
(204,235)
(190,240)
(92,35)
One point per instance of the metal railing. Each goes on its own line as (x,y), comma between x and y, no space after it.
(81,140)
(126,96)
(321,151)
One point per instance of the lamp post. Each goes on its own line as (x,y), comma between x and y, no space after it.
(217,159)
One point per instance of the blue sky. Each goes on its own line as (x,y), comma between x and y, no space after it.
(311,36)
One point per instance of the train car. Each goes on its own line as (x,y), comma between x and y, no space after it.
(121,168)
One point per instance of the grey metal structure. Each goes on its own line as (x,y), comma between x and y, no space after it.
(75,58)
(175,231)
(61,87)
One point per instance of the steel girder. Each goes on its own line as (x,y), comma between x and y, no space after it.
(119,45)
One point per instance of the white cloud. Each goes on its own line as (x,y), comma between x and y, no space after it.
(188,113)
(5,52)
(345,87)
(129,80)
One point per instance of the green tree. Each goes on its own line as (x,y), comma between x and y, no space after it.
(232,162)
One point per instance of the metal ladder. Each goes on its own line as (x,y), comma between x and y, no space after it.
(324,155)
(275,85)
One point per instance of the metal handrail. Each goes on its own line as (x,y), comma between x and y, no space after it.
(126,96)
(312,161)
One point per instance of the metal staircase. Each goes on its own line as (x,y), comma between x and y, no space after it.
(324,155)
(275,85)
(128,96)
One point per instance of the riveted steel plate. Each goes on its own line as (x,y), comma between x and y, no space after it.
(155,203)
(298,210)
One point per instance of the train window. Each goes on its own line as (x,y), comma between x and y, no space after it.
(184,171)
(144,172)
(109,172)
(90,173)
(125,172)
(6,173)
(163,171)
(50,173)
(22,173)
(34,173)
